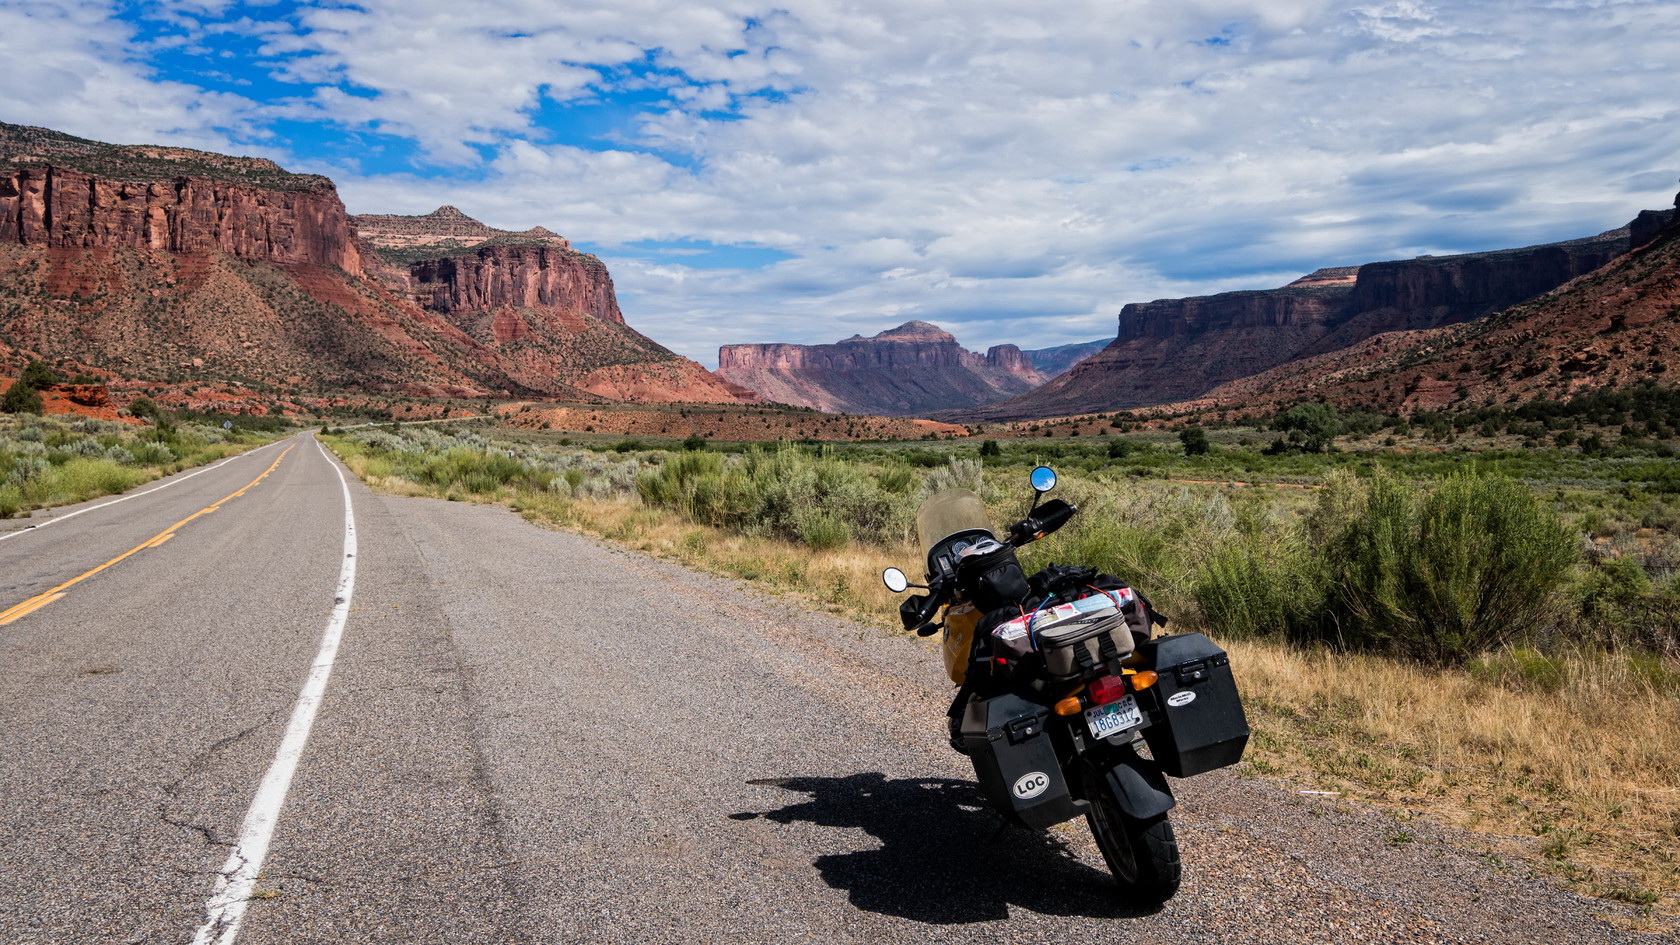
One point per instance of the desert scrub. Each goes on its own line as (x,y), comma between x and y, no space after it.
(460,464)
(46,461)
(786,492)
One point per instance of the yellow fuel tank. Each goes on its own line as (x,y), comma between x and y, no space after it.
(960,620)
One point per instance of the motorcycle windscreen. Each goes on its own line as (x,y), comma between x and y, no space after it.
(949,513)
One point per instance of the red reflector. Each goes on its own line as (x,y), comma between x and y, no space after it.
(1106,689)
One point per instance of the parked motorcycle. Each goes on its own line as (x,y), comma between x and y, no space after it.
(1070,699)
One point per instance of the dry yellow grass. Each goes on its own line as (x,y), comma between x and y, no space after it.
(1583,781)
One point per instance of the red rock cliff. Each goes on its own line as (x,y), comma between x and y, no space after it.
(1011,359)
(61,207)
(501,275)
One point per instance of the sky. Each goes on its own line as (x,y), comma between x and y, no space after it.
(803,170)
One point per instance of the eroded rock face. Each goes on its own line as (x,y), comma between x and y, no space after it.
(1172,350)
(515,276)
(914,368)
(1012,360)
(546,310)
(58,207)
(88,395)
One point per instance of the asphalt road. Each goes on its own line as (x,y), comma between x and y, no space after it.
(529,736)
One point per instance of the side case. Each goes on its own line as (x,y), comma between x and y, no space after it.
(1015,762)
(1198,721)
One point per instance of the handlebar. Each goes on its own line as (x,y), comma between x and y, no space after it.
(916,613)
(1044,520)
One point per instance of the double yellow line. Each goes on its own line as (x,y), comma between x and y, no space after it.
(48,596)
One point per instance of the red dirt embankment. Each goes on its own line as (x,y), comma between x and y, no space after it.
(82,400)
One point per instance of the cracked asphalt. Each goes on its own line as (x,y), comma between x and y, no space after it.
(531,736)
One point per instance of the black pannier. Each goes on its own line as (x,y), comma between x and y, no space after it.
(1197,715)
(1014,761)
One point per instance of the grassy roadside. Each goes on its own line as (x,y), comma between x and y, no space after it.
(48,461)
(1566,766)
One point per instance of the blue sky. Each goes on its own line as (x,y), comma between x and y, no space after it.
(802,171)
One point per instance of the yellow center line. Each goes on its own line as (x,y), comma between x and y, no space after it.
(48,596)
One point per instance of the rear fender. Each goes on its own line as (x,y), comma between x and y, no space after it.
(1139,786)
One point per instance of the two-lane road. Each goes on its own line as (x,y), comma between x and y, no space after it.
(529,736)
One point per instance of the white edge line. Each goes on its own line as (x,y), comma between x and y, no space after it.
(238,879)
(170,481)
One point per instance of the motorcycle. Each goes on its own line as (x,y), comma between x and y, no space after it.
(1071,701)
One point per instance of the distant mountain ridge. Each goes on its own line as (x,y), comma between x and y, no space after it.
(1616,326)
(1173,350)
(176,265)
(915,368)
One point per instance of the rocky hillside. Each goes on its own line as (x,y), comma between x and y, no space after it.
(1173,350)
(182,266)
(912,369)
(1614,327)
(547,309)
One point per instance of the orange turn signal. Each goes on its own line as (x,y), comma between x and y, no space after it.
(1069,706)
(1142,679)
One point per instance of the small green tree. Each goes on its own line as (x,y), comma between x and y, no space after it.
(694,442)
(145,409)
(38,375)
(990,448)
(1318,425)
(21,398)
(1195,441)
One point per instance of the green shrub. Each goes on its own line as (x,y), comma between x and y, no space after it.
(472,470)
(1194,441)
(152,454)
(1522,668)
(823,531)
(1441,575)
(82,478)
(1263,582)
(38,375)
(21,398)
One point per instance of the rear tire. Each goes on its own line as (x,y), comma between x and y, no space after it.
(1141,853)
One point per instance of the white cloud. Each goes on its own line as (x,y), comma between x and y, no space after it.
(1016,174)
(68,67)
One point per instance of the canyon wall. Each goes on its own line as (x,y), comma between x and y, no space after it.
(61,207)
(1172,350)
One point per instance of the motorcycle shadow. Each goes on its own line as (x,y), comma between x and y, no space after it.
(945,857)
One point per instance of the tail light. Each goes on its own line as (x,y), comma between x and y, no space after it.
(1106,689)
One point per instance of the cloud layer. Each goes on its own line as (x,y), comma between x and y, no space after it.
(1012,172)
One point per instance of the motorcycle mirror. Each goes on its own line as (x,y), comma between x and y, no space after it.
(1043,479)
(895,580)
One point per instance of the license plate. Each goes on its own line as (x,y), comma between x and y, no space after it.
(1114,718)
